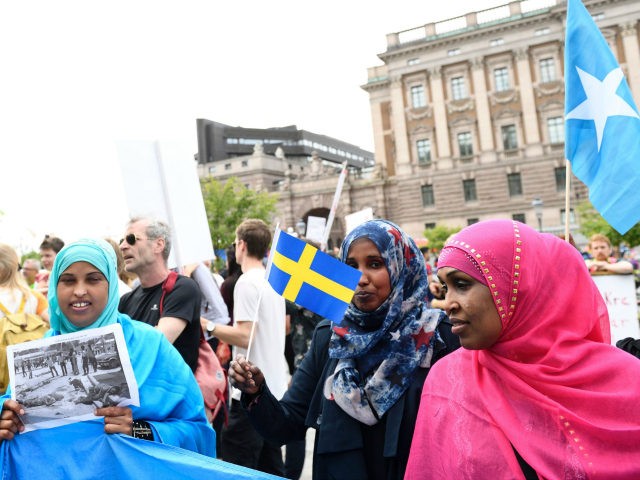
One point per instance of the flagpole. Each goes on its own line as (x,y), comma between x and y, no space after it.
(567,195)
(253,324)
(334,206)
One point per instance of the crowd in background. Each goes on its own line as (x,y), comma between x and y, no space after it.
(359,384)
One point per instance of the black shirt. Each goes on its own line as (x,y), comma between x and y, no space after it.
(183,302)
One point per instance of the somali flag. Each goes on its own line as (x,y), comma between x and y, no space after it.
(601,122)
(82,451)
(310,278)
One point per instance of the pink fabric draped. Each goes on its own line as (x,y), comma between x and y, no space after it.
(552,386)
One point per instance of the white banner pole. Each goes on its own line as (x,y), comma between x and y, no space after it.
(334,206)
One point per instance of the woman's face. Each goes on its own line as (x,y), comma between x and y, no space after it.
(375,285)
(83,292)
(471,309)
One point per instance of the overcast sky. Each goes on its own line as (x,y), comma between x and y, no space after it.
(78,76)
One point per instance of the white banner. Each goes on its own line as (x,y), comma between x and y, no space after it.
(619,293)
(315,228)
(356,218)
(161,180)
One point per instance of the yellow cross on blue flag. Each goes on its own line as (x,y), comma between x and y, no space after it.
(602,122)
(310,278)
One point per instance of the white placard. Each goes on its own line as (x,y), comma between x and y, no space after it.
(161,180)
(356,218)
(619,293)
(315,228)
(58,381)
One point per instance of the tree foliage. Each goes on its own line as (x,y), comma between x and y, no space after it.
(228,204)
(438,235)
(592,222)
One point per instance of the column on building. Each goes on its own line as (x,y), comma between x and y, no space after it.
(380,154)
(440,116)
(398,120)
(632,55)
(485,132)
(529,116)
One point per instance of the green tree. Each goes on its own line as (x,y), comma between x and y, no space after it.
(592,222)
(438,235)
(228,204)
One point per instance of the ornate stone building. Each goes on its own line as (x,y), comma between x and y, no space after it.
(468,113)
(468,122)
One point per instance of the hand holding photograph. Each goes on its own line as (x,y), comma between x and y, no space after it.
(63,379)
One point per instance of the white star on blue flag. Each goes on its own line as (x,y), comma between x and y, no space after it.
(602,122)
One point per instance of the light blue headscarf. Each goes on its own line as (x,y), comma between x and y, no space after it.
(99,254)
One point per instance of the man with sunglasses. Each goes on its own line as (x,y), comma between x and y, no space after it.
(145,249)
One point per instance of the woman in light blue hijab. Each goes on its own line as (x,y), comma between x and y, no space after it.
(83,294)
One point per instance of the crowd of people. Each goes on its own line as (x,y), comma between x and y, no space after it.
(488,366)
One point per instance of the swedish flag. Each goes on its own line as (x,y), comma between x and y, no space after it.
(310,278)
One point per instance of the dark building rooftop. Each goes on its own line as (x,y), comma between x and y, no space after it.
(217,141)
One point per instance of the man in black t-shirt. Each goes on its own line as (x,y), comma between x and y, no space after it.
(145,249)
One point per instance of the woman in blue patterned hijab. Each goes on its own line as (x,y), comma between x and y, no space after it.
(360,382)
(379,350)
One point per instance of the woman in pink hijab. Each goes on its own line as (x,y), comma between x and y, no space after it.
(537,391)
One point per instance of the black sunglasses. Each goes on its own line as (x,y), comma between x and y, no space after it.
(131,239)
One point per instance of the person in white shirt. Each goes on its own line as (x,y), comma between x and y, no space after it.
(256,306)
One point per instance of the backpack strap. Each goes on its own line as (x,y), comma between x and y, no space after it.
(167,287)
(22,304)
(6,311)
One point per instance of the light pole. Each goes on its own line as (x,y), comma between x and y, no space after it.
(538,205)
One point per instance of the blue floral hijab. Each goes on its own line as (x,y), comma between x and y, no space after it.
(99,254)
(380,351)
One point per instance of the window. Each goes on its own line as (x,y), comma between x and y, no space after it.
(563,216)
(424,151)
(227,166)
(212,169)
(515,184)
(469,187)
(465,144)
(509,137)
(519,217)
(547,70)
(428,199)
(496,42)
(501,77)
(429,226)
(418,98)
(471,221)
(561,179)
(458,88)
(245,163)
(556,129)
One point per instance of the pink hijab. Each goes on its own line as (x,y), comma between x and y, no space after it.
(552,386)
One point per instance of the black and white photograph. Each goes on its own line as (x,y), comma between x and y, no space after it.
(63,379)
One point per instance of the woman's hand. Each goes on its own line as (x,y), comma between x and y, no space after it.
(116,419)
(245,376)
(10,422)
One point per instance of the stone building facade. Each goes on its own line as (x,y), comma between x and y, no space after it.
(468,113)
(468,123)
